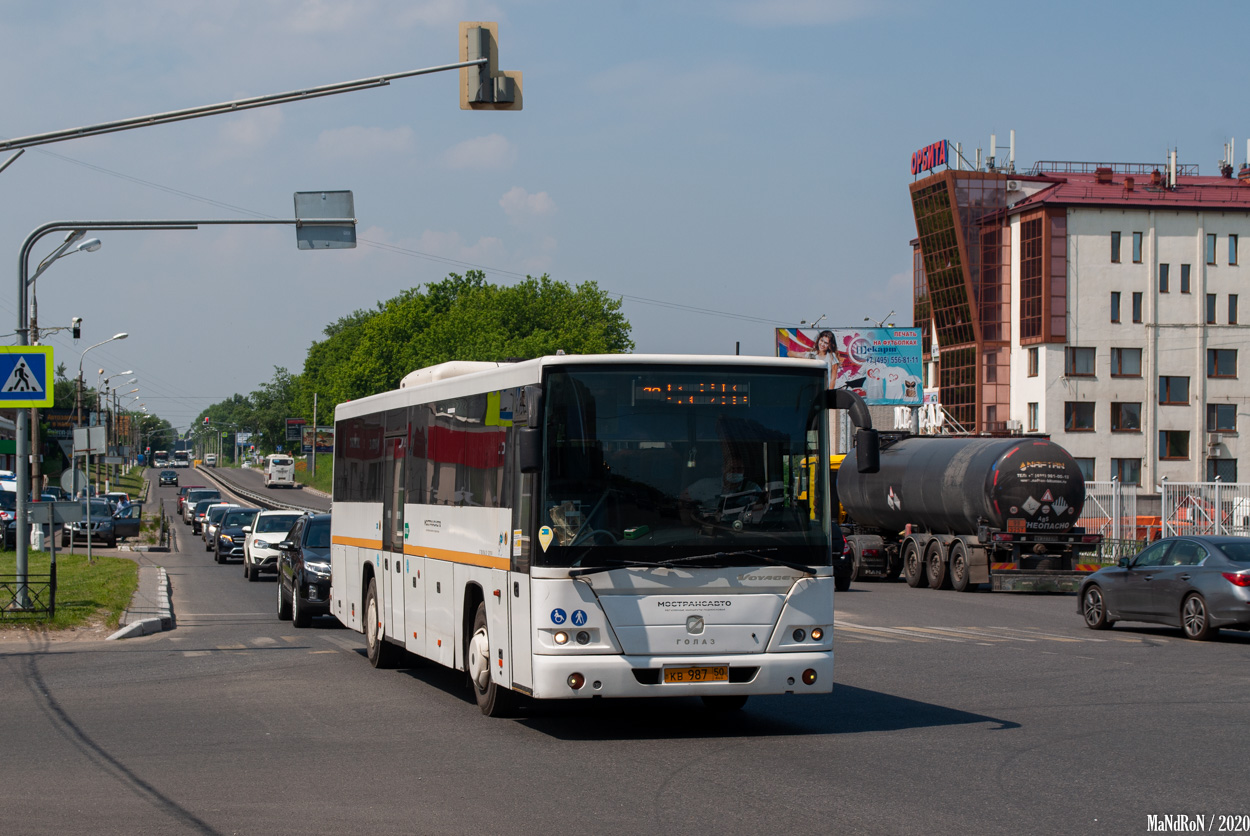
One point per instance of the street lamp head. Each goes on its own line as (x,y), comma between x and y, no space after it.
(123,335)
(90,245)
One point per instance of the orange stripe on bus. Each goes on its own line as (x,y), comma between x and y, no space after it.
(451,556)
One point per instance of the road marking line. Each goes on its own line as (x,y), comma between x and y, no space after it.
(962,634)
(1039,635)
(892,631)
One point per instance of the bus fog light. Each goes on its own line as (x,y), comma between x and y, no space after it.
(800,634)
(809,677)
(561,637)
(576,681)
(817,634)
(583,637)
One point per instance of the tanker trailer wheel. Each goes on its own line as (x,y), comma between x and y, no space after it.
(935,566)
(913,566)
(960,570)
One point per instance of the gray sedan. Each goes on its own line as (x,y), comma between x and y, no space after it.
(1198,584)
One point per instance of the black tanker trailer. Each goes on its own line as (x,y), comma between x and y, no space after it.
(962,511)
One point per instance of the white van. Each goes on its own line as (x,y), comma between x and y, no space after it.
(279,470)
(210,459)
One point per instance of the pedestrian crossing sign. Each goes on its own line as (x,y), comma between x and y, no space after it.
(26,375)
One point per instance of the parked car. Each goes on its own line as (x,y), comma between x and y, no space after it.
(197,512)
(260,549)
(168,477)
(103,524)
(120,499)
(233,528)
(1198,584)
(304,570)
(8,517)
(212,519)
(192,498)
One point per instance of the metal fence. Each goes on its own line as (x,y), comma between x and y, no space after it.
(1110,510)
(1206,508)
(40,597)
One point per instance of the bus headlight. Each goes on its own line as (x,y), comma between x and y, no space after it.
(817,634)
(561,637)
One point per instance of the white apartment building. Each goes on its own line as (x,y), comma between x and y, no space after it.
(1095,303)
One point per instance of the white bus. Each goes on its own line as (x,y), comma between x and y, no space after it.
(592,526)
(279,470)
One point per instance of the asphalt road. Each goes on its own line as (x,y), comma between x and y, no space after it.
(952,714)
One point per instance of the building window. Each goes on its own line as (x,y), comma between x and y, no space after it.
(1174,444)
(1126,471)
(1080,362)
(1211,249)
(1163,278)
(1232,309)
(1033,417)
(1115,248)
(1174,391)
(1210,309)
(1184,278)
(1225,470)
(1137,248)
(1126,417)
(1087,468)
(1221,417)
(1232,249)
(1126,362)
(1221,362)
(1078,416)
(1032,362)
(1115,306)
(1137,307)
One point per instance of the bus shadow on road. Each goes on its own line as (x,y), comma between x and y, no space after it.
(848,710)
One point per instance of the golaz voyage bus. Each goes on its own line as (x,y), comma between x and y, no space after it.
(593,526)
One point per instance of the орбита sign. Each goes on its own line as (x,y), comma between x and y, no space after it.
(26,376)
(929,157)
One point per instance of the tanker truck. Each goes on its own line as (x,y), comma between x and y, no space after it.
(952,511)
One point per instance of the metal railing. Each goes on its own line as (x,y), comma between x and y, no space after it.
(39,592)
(1206,508)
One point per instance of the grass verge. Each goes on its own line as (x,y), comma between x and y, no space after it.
(324,480)
(85,594)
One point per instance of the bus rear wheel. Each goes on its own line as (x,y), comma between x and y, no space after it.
(493,699)
(381,653)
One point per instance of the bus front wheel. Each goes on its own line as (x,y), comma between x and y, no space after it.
(493,699)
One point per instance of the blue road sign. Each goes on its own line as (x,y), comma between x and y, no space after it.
(26,376)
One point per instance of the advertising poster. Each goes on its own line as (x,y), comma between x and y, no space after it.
(882,365)
(323,439)
(295,429)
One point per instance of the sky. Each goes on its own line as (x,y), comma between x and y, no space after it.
(725,167)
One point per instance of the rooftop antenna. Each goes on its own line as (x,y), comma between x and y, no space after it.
(1011,158)
(989,164)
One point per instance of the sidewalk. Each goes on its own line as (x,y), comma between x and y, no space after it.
(150,610)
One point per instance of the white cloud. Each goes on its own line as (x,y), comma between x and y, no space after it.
(802,12)
(521,206)
(483,152)
(360,142)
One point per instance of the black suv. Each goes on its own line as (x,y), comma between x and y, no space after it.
(168,477)
(231,531)
(304,570)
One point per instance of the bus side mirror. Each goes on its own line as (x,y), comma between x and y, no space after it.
(530,449)
(867,451)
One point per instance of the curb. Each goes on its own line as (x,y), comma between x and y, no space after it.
(150,610)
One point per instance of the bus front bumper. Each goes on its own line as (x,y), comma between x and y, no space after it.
(644,676)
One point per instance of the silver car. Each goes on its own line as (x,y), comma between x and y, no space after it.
(1198,584)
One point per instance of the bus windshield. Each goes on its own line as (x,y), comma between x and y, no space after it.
(674,465)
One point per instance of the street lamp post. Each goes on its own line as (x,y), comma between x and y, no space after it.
(73,243)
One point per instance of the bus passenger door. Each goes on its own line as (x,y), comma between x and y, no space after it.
(393,536)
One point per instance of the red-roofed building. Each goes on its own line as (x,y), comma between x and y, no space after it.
(1095,302)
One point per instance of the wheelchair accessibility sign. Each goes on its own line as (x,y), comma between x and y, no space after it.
(26,376)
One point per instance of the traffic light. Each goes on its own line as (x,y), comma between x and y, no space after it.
(206,420)
(485,87)
(76,326)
